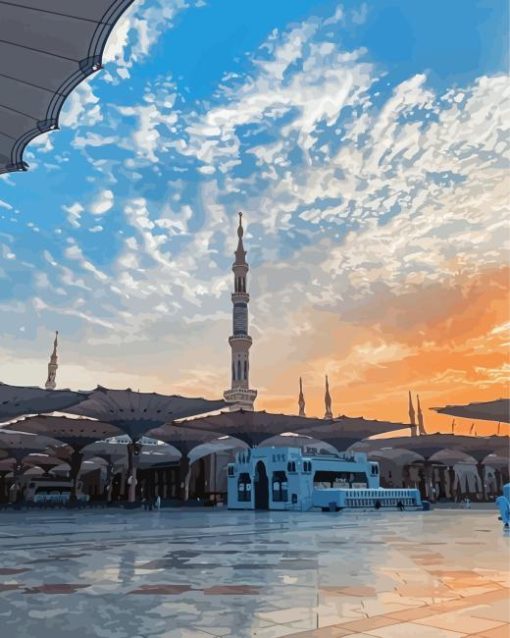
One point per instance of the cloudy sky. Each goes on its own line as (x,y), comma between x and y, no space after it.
(367,144)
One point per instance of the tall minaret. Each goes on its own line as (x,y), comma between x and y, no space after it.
(301,400)
(412,416)
(240,342)
(327,400)
(52,366)
(421,425)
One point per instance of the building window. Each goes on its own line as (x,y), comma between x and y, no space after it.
(339,479)
(291,466)
(233,371)
(238,369)
(245,370)
(244,488)
(280,491)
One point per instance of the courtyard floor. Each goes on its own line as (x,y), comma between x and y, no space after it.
(201,573)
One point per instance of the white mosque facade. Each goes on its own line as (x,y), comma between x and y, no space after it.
(288,479)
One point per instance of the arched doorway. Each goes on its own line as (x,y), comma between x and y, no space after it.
(261,487)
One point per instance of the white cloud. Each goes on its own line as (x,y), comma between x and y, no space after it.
(103,203)
(74,253)
(74,212)
(352,195)
(137,31)
(81,108)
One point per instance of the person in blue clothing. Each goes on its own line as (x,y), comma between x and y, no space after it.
(504,511)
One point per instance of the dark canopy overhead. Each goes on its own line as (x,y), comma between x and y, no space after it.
(47,47)
(345,431)
(19,445)
(476,446)
(109,452)
(77,433)
(17,401)
(137,412)
(498,410)
(45,461)
(154,455)
(252,427)
(182,438)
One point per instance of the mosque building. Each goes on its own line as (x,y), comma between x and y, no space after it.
(207,475)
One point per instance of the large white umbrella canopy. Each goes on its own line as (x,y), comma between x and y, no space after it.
(498,410)
(477,447)
(135,413)
(75,432)
(184,439)
(47,47)
(16,401)
(252,427)
(344,431)
(19,444)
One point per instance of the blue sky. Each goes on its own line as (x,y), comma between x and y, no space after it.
(339,128)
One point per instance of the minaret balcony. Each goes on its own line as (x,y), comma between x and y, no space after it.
(240,339)
(240,296)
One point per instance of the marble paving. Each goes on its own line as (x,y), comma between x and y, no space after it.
(201,573)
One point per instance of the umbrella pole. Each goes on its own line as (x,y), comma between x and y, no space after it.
(184,471)
(133,449)
(75,462)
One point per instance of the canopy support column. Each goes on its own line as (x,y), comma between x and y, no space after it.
(184,473)
(134,448)
(75,462)
(481,473)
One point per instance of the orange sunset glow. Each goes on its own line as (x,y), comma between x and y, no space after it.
(450,345)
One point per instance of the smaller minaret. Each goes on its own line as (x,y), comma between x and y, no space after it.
(52,366)
(421,425)
(453,426)
(301,400)
(327,401)
(412,415)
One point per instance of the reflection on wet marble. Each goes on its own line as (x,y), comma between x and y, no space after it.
(202,573)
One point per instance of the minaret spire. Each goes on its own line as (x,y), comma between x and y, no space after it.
(301,400)
(52,366)
(240,341)
(327,400)
(412,415)
(421,425)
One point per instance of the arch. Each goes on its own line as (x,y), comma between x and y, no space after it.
(239,369)
(245,370)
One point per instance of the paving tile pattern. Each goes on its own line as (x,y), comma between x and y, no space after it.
(202,573)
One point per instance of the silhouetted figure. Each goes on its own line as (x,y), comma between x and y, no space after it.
(377,505)
(400,506)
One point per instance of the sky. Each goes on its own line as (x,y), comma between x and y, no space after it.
(366,143)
